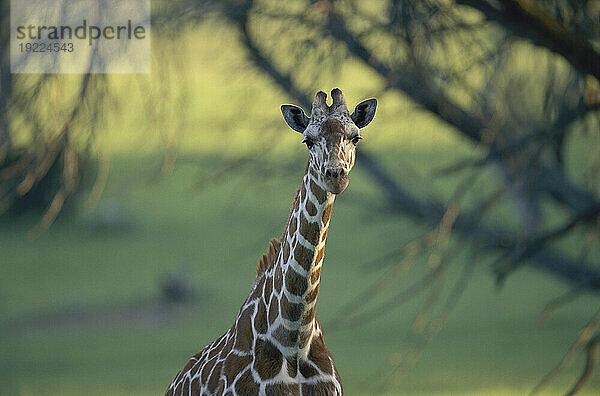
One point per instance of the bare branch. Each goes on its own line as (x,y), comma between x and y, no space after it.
(592,349)
(584,338)
(425,92)
(435,324)
(529,20)
(468,226)
(560,301)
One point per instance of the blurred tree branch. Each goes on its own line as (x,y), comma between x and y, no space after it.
(529,19)
(425,92)
(591,358)
(42,172)
(470,227)
(587,340)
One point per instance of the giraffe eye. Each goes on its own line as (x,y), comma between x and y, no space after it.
(309,142)
(356,139)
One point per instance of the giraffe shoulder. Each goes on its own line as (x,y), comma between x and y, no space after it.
(268,258)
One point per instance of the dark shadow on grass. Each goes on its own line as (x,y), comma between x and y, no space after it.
(173,303)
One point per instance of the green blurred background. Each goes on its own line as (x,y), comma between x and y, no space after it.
(186,173)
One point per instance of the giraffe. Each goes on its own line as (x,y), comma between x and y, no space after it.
(276,346)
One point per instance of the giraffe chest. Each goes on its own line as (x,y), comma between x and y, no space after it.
(221,369)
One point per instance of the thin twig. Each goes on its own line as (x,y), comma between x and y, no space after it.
(559,302)
(581,342)
(592,348)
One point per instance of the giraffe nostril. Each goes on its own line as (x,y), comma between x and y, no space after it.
(335,173)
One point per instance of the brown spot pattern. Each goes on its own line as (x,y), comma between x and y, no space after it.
(195,387)
(306,369)
(293,224)
(179,388)
(244,336)
(310,231)
(292,366)
(316,274)
(286,252)
(227,348)
(258,288)
(327,214)
(267,360)
(318,192)
(260,319)
(319,355)
(195,369)
(215,346)
(290,311)
(320,389)
(188,366)
(214,378)
(235,364)
(278,279)
(303,339)
(301,196)
(295,283)
(313,294)
(245,385)
(268,287)
(320,255)
(311,209)
(303,256)
(308,316)
(206,370)
(273,309)
(324,236)
(285,337)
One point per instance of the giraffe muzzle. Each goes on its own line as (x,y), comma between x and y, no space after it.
(336,180)
(335,173)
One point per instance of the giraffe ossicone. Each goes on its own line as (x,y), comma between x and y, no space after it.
(276,346)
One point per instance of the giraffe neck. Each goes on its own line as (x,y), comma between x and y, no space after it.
(297,271)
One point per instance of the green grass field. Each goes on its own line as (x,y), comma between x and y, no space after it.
(80,311)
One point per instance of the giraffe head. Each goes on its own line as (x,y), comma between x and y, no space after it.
(331,135)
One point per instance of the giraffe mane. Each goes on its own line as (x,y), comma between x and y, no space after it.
(268,259)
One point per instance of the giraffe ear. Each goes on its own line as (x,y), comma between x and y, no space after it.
(364,112)
(295,117)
